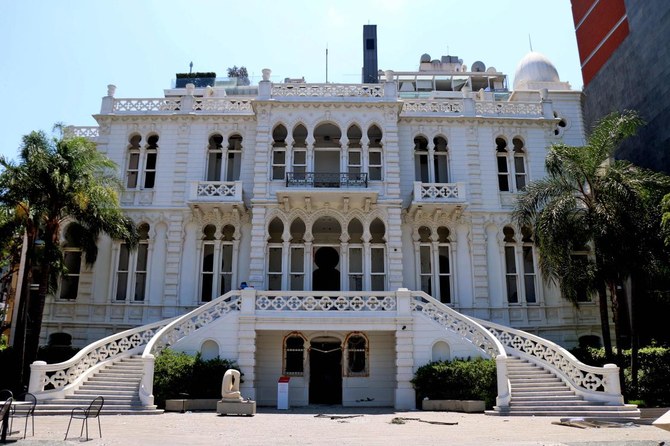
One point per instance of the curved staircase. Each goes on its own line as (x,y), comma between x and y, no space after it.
(536,391)
(118,382)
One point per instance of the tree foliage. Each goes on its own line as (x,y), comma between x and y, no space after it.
(589,201)
(240,73)
(57,180)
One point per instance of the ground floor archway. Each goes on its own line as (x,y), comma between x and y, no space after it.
(325,371)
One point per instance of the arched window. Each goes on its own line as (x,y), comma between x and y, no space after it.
(217,268)
(441,351)
(131,272)
(209,350)
(503,167)
(150,163)
(519,261)
(214,157)
(133,170)
(274,255)
(440,160)
(299,152)
(375,159)
(294,355)
(434,262)
(377,256)
(279,135)
(356,346)
(421,160)
(511,163)
(297,260)
(69,282)
(234,158)
(355,230)
(354,160)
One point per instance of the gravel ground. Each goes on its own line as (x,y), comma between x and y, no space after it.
(336,426)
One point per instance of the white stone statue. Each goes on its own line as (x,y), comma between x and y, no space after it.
(230,388)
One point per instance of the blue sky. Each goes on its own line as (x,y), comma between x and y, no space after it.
(58,56)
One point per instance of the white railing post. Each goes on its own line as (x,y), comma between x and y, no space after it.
(461,191)
(248,297)
(107,105)
(503,398)
(612,383)
(417,191)
(147,384)
(37,375)
(468,106)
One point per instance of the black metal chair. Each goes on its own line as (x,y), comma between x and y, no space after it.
(27,411)
(4,419)
(92,411)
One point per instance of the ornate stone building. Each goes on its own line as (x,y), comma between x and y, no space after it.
(331,202)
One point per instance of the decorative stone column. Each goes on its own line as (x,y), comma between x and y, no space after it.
(404,348)
(246,347)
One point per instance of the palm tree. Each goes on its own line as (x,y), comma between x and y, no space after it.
(591,203)
(57,179)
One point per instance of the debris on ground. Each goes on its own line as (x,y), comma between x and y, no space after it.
(403,420)
(336,417)
(584,423)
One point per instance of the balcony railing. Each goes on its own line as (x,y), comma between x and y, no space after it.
(215,191)
(439,192)
(326,179)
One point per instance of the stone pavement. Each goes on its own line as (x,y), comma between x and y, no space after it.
(341,426)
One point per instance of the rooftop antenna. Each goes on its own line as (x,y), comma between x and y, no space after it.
(530,43)
(326,62)
(190,68)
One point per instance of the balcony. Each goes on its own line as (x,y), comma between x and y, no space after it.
(326,179)
(224,195)
(341,190)
(445,197)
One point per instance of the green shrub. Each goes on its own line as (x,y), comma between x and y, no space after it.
(177,373)
(460,379)
(653,372)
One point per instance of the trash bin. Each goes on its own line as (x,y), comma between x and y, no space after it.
(282,392)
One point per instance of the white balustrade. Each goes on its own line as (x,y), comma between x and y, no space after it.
(62,374)
(508,108)
(328,90)
(222,105)
(90,132)
(447,192)
(324,301)
(453,106)
(593,383)
(215,191)
(146,105)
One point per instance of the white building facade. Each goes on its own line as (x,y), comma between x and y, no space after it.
(331,202)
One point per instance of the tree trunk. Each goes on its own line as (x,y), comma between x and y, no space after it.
(605,322)
(635,291)
(22,322)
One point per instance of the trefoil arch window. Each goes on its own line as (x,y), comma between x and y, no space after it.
(512,171)
(520,276)
(69,282)
(219,257)
(434,262)
(132,268)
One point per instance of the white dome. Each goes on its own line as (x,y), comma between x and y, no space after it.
(535,67)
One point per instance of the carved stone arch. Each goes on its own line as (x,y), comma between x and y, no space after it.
(383,222)
(271,215)
(376,213)
(337,215)
(357,214)
(375,123)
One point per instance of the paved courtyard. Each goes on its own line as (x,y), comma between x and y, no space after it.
(337,426)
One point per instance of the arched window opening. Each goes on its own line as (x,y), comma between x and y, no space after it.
(279,135)
(69,281)
(354,158)
(294,355)
(355,230)
(219,257)
(299,151)
(133,171)
(214,157)
(297,260)
(275,254)
(375,160)
(150,164)
(519,164)
(377,256)
(357,355)
(503,168)
(440,160)
(421,160)
(434,260)
(234,158)
(207,268)
(131,272)
(520,260)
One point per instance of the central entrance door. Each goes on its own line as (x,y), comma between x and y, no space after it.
(326,276)
(325,371)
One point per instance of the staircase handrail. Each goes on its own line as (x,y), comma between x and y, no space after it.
(472,330)
(593,383)
(64,373)
(177,329)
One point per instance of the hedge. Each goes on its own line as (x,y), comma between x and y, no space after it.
(176,373)
(460,379)
(653,373)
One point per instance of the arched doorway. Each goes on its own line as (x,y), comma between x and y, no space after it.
(326,277)
(325,371)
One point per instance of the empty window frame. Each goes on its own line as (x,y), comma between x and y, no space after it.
(294,355)
(356,351)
